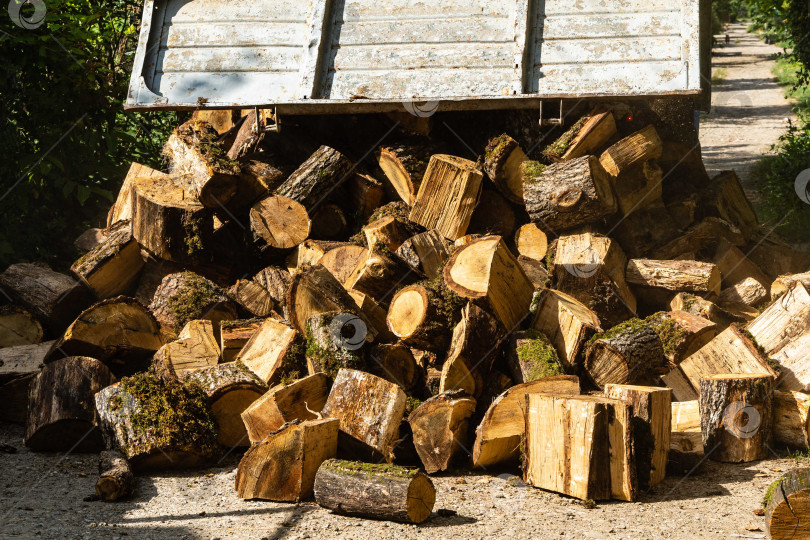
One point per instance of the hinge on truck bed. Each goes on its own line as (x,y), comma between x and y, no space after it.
(558,121)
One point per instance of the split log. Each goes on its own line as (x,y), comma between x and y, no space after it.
(735,266)
(634,149)
(503,159)
(119,332)
(370,410)
(586,137)
(702,237)
(158,424)
(493,215)
(791,419)
(498,437)
(473,350)
(625,354)
(186,296)
(567,194)
(115,477)
(568,324)
(786,503)
(304,254)
(395,363)
(249,135)
(254,298)
(426,253)
(725,198)
(222,120)
(335,341)
(784,283)
(329,222)
(168,221)
(22,360)
(374,314)
(783,332)
(341,261)
(113,266)
(404,164)
(531,356)
(486,271)
(531,242)
(638,187)
(701,307)
(53,298)
(692,276)
(201,164)
(380,274)
(278,224)
(686,441)
(592,269)
(681,333)
(375,491)
(776,257)
(447,196)
(233,335)
(316,178)
(387,231)
(749,292)
(365,194)
(535,271)
(300,400)
(61,416)
(273,352)
(121,210)
(601,431)
(276,281)
(283,466)
(440,429)
(652,413)
(194,349)
(18,327)
(736,416)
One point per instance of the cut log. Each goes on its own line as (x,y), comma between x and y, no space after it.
(300,400)
(335,341)
(201,164)
(421,317)
(473,350)
(61,416)
(531,356)
(365,194)
(503,159)
(254,298)
(316,178)
(121,210)
(784,283)
(735,266)
(447,196)
(283,466)
(493,215)
(375,491)
(599,429)
(702,237)
(625,354)
(426,253)
(786,505)
(113,266)
(258,179)
(168,222)
(380,274)
(115,477)
(278,224)
(776,257)
(341,261)
(158,424)
(486,271)
(186,296)
(387,231)
(535,271)
(404,164)
(22,360)
(119,332)
(635,149)
(736,416)
(329,222)
(783,332)
(194,349)
(638,187)
(695,305)
(222,120)
(531,242)
(726,199)
(233,335)
(791,419)
(652,413)
(374,314)
(249,135)
(686,441)
(53,298)
(592,134)
(592,269)
(749,292)
(681,333)
(646,229)
(568,324)
(276,281)
(395,363)
(440,429)
(568,194)
(498,437)
(692,276)
(275,351)
(18,327)
(370,410)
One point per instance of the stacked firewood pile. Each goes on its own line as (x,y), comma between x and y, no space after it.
(360,306)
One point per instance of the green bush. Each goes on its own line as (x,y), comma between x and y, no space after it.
(67,141)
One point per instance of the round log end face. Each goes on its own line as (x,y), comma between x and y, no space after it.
(531,242)
(109,488)
(421,498)
(281,222)
(788,520)
(407,311)
(467,273)
(606,365)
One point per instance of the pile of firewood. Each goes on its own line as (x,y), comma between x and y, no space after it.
(597,310)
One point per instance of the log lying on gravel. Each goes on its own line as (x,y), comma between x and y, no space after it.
(404,164)
(686,441)
(282,467)
(112,267)
(498,437)
(635,149)
(375,491)
(472,351)
(440,429)
(652,412)
(194,349)
(18,327)
(426,253)
(568,324)
(22,360)
(625,354)
(278,225)
(503,158)
(370,410)
(485,271)
(313,182)
(791,419)
(158,424)
(736,416)
(447,195)
(119,331)
(121,210)
(785,503)
(233,335)
(692,276)
(568,194)
(300,400)
(275,351)
(116,480)
(61,416)
(54,298)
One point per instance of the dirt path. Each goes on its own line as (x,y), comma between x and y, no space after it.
(749,109)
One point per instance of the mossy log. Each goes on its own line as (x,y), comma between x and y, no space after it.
(404,164)
(736,416)
(61,416)
(194,349)
(380,274)
(503,158)
(681,333)
(395,363)
(18,327)
(374,491)
(116,480)
(634,149)
(335,341)
(275,351)
(112,267)
(531,356)
(426,253)
(278,225)
(233,335)
(568,324)
(254,298)
(787,503)
(316,178)
(586,137)
(473,350)
(625,354)
(440,427)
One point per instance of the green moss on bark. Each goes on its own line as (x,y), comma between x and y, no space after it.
(195,298)
(539,354)
(558,148)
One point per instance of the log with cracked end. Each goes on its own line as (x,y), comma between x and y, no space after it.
(440,429)
(531,242)
(786,502)
(317,178)
(279,224)
(195,348)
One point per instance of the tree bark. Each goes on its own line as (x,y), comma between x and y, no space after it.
(596,131)
(252,297)
(315,180)
(440,429)
(335,341)
(626,355)
(635,149)
(115,478)
(724,197)
(692,276)
(473,350)
(786,511)
(749,292)
(791,419)
(22,360)
(380,275)
(783,284)
(503,158)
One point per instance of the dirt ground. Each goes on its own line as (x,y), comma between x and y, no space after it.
(42,495)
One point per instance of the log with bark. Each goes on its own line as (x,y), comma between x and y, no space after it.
(194,349)
(61,416)
(275,351)
(531,356)
(380,274)
(735,266)
(701,238)
(748,292)
(589,135)
(681,333)
(645,230)
(116,480)
(568,324)
(440,427)
(316,179)
(691,276)
(531,242)
(535,271)
(395,363)
(503,159)
(791,419)
(121,210)
(342,260)
(420,315)
(233,335)
(784,283)
(634,149)
(387,231)
(278,225)
(374,314)
(736,416)
(426,253)
(686,441)
(248,136)
(335,341)
(18,327)
(112,267)
(329,222)
(22,360)
(252,297)
(283,466)
(624,354)
(364,194)
(404,164)
(786,505)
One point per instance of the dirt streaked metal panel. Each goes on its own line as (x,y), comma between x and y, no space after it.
(312,54)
